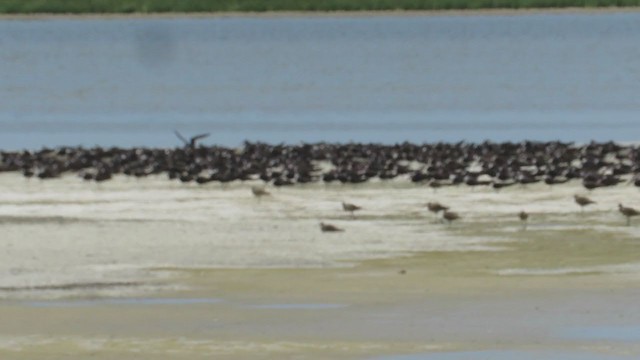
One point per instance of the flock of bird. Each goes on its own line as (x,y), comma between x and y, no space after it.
(436,165)
(451,216)
(497,165)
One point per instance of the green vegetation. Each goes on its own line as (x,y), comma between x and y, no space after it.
(158,6)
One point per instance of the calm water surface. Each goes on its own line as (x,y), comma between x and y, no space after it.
(384,79)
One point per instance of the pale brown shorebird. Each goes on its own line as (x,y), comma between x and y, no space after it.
(628,212)
(329,228)
(583,201)
(259,192)
(524,216)
(436,207)
(352,208)
(450,216)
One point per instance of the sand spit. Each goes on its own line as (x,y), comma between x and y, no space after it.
(61,234)
(145,268)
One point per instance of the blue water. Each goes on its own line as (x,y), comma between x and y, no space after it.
(387,79)
(605,333)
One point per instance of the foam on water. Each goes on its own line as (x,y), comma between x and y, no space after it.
(67,236)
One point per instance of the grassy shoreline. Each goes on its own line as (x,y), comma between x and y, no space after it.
(229,6)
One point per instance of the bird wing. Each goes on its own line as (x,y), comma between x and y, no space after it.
(185,141)
(198,137)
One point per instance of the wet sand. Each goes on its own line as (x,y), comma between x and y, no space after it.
(361,312)
(151,269)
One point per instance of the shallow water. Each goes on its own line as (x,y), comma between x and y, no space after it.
(605,333)
(506,355)
(131,82)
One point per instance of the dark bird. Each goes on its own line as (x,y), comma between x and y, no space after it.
(583,201)
(499,185)
(450,216)
(524,216)
(350,208)
(191,143)
(329,228)
(628,212)
(436,207)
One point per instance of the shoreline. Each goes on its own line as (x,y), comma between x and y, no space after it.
(327,14)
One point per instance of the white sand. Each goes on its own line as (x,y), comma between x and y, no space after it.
(67,231)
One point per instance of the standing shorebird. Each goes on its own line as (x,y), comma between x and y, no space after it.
(450,216)
(524,216)
(436,207)
(628,212)
(329,228)
(583,201)
(259,192)
(352,208)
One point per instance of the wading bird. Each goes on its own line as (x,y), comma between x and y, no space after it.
(628,212)
(352,208)
(583,201)
(436,207)
(329,228)
(523,217)
(450,216)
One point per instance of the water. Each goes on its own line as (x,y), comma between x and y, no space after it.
(605,333)
(392,78)
(506,355)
